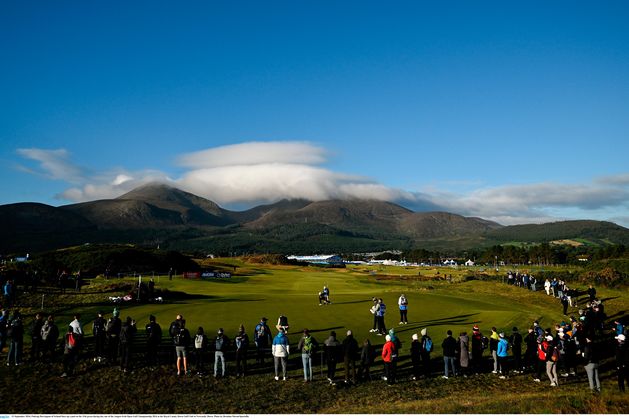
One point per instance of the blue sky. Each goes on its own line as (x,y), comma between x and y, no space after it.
(515,113)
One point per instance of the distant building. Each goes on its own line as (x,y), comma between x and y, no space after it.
(469,263)
(318,259)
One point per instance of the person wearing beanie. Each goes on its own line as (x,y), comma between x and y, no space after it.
(387,358)
(426,349)
(622,361)
(449,354)
(551,361)
(515,341)
(241,341)
(350,353)
(153,340)
(502,353)
(416,348)
(280,350)
(478,345)
(221,344)
(396,342)
(332,347)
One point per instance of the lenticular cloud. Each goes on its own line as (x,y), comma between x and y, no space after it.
(270,171)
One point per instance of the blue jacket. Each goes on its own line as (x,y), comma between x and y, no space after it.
(503,347)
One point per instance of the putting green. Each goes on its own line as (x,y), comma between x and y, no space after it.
(271,291)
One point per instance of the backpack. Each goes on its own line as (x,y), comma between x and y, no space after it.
(99,326)
(220,343)
(45,331)
(428,344)
(308,345)
(485,342)
(383,309)
(72,341)
(199,341)
(180,337)
(555,355)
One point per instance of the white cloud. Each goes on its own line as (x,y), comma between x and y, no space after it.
(259,172)
(53,164)
(252,153)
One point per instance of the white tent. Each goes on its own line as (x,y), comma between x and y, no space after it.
(469,263)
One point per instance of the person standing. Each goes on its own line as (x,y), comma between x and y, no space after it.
(153,340)
(403,304)
(530,355)
(350,352)
(591,293)
(425,352)
(114,324)
(4,324)
(502,353)
(380,312)
(15,332)
(591,365)
(493,347)
(262,338)
(366,359)
(127,333)
(416,350)
(280,350)
(477,350)
(374,311)
(552,357)
(331,351)
(387,358)
(464,352)
(449,354)
(515,341)
(221,344)
(307,345)
(100,336)
(36,341)
(181,340)
(49,335)
(242,348)
(200,350)
(70,353)
(622,361)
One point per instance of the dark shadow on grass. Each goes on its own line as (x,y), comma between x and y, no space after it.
(318,330)
(353,302)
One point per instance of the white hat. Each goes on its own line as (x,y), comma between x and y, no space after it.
(387,338)
(349,332)
(415,337)
(621,338)
(424,331)
(549,337)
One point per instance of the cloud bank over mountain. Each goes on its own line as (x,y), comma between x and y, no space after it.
(265,172)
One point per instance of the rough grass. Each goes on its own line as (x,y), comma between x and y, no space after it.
(269,290)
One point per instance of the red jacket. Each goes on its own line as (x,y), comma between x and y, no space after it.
(387,351)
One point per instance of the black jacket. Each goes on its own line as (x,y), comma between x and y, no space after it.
(449,346)
(350,348)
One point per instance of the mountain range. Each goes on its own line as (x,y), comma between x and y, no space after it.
(160,215)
